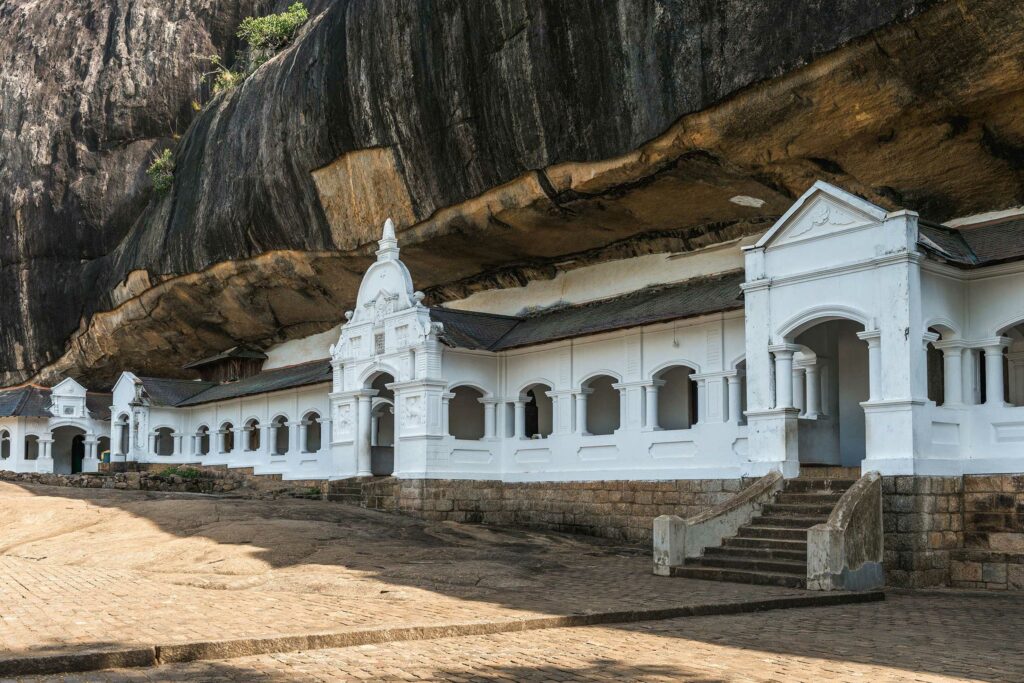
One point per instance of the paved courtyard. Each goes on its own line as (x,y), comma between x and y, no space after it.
(96,569)
(921,638)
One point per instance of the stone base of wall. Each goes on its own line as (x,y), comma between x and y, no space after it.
(619,510)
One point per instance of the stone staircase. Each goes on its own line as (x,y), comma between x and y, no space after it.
(772,548)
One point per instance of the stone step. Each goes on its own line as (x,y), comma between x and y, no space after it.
(817,485)
(740,576)
(829,499)
(797,509)
(759,552)
(345,498)
(829,472)
(799,545)
(752,564)
(775,532)
(789,521)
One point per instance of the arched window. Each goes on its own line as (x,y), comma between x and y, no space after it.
(164,441)
(31,447)
(252,435)
(382,423)
(281,435)
(741,371)
(602,405)
(102,446)
(122,434)
(5,444)
(203,440)
(677,398)
(466,414)
(936,372)
(227,437)
(313,432)
(539,413)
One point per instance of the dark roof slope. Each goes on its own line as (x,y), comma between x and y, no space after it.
(240,351)
(30,400)
(303,374)
(171,392)
(973,246)
(698,296)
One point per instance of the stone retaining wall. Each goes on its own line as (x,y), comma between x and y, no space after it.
(620,510)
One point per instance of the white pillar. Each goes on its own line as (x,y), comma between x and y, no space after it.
(581,411)
(799,387)
(783,373)
(520,422)
(952,371)
(623,406)
(651,400)
(152,444)
(874,342)
(195,445)
(446,400)
(177,444)
(813,398)
(994,371)
(363,436)
(303,436)
(489,418)
(374,428)
(735,398)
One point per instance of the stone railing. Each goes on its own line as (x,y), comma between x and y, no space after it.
(845,553)
(676,539)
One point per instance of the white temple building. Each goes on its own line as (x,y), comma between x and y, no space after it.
(846,334)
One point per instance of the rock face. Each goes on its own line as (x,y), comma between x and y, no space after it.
(507,138)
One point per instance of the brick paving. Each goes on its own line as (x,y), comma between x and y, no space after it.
(924,637)
(85,569)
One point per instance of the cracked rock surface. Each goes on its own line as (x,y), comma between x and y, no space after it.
(507,138)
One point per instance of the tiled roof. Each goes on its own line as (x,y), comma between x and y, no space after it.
(698,296)
(171,392)
(303,374)
(30,400)
(973,246)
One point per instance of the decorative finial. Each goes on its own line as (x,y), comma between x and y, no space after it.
(389,229)
(388,243)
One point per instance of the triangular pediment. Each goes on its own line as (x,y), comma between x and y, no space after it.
(68,387)
(822,211)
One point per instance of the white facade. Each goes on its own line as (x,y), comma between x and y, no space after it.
(62,438)
(828,363)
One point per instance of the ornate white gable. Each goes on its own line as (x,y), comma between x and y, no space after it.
(389,314)
(67,400)
(823,210)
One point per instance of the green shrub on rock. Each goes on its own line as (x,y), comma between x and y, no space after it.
(161,172)
(266,35)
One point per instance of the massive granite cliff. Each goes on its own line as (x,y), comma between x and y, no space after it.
(508,138)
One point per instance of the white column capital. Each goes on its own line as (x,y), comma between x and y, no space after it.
(872,337)
(784,350)
(994,346)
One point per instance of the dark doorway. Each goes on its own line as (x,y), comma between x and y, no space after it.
(77,453)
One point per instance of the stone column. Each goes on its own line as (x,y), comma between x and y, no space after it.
(799,390)
(874,342)
(651,401)
(177,444)
(952,371)
(994,387)
(363,436)
(623,406)
(783,374)
(813,391)
(581,411)
(152,443)
(337,376)
(303,436)
(446,400)
(490,406)
(735,398)
(520,421)
(374,429)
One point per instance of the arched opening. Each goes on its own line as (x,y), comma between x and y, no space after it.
(5,444)
(677,398)
(741,400)
(1013,365)
(835,364)
(203,440)
(282,435)
(314,432)
(382,426)
(466,414)
(603,415)
(31,447)
(103,448)
(68,449)
(539,412)
(122,434)
(252,435)
(164,441)
(227,437)
(935,370)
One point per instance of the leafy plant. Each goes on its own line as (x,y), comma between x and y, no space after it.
(183,472)
(161,172)
(266,35)
(223,77)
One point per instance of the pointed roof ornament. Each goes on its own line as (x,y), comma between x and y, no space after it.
(388,243)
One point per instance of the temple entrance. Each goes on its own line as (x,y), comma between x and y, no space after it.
(68,450)
(830,381)
(382,427)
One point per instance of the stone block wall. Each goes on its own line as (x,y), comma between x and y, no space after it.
(619,510)
(992,555)
(923,525)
